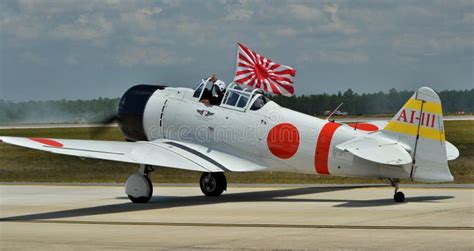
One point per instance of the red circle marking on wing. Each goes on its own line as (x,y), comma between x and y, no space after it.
(283,140)
(48,142)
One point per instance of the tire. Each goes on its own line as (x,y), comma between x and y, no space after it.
(213,184)
(399,197)
(140,180)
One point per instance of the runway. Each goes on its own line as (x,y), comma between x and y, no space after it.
(264,217)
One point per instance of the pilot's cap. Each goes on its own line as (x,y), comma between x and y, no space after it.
(220,84)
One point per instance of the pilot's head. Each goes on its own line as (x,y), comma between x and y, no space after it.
(221,84)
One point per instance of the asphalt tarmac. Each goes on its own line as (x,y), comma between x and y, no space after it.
(58,217)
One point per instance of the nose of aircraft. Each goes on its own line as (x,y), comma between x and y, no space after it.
(131,109)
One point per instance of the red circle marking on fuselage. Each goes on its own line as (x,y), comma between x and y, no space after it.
(364,127)
(283,140)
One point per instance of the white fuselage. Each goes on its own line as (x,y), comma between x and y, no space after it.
(275,137)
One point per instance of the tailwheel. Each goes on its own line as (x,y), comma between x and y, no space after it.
(138,187)
(398,196)
(213,184)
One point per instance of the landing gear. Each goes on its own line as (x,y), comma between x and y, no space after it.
(398,196)
(213,184)
(139,187)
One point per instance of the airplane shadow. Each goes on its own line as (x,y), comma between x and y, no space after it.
(164,202)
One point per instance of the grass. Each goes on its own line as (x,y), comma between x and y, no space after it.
(25,165)
(461,134)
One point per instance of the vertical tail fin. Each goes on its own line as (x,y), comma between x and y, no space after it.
(419,126)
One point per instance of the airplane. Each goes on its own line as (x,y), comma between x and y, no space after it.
(246,131)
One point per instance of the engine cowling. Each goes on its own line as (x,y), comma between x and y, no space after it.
(131,109)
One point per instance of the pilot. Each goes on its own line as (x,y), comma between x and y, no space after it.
(218,90)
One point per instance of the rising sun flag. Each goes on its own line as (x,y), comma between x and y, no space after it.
(259,72)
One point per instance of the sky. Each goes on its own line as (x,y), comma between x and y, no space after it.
(87,49)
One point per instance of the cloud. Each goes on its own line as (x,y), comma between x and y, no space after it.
(414,11)
(343,57)
(27,31)
(151,56)
(335,57)
(141,19)
(195,33)
(468,18)
(85,27)
(58,7)
(133,37)
(72,59)
(171,3)
(305,12)
(22,27)
(47,7)
(33,58)
(237,14)
(352,42)
(286,32)
(152,39)
(336,24)
(410,44)
(419,45)
(452,43)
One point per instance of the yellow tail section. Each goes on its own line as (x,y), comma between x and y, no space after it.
(422,115)
(419,126)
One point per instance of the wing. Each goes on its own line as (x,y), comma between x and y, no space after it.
(171,154)
(218,159)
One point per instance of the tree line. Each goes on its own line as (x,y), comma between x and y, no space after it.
(57,111)
(95,110)
(372,103)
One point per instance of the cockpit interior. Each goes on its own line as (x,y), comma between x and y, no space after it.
(234,96)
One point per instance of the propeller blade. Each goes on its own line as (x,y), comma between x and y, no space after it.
(102,127)
(109,120)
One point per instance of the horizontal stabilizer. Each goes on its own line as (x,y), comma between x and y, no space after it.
(374,125)
(452,152)
(377,150)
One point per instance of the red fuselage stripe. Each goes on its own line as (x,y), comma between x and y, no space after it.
(323,146)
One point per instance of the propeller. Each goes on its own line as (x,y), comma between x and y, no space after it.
(102,126)
(108,121)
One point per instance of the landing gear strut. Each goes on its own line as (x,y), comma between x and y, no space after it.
(398,196)
(139,187)
(213,184)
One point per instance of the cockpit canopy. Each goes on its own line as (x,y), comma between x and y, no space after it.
(235,97)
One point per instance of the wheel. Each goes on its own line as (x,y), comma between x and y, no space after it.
(139,188)
(399,197)
(213,184)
